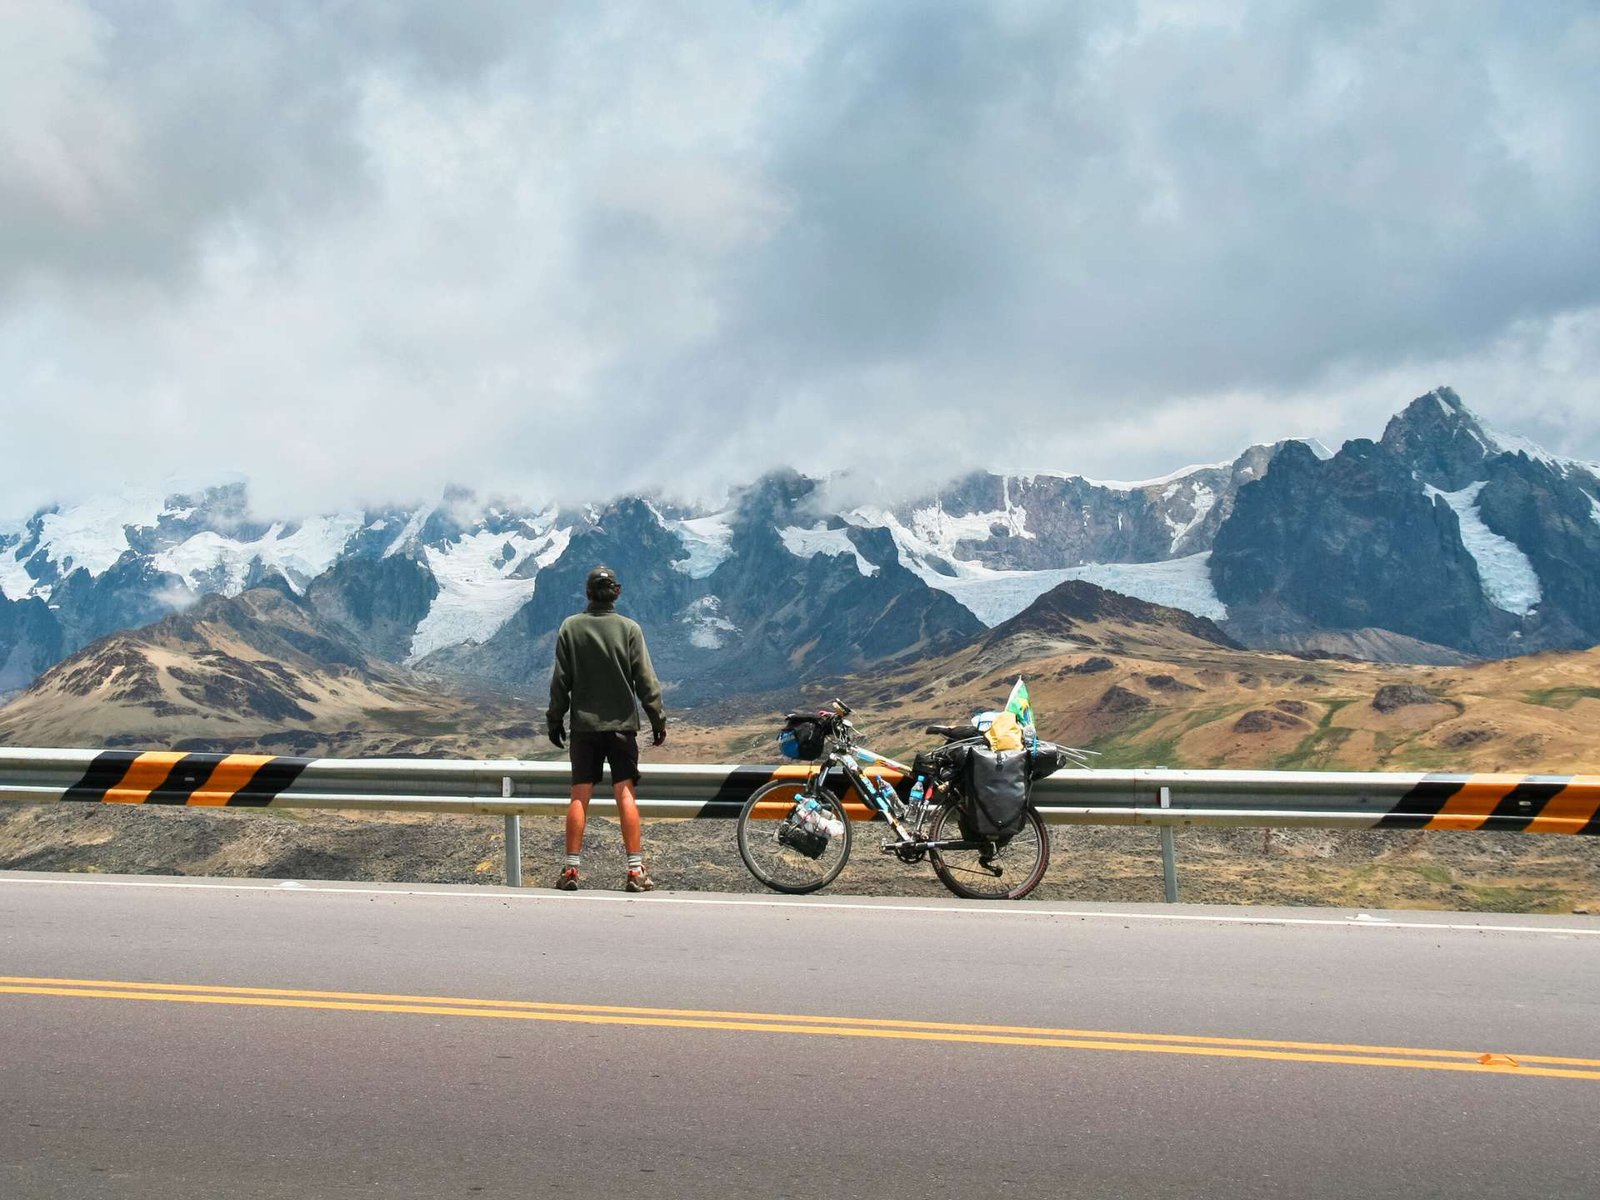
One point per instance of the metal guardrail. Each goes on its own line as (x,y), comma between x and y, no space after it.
(514,788)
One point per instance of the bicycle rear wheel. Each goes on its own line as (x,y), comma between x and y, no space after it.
(1010,874)
(784,859)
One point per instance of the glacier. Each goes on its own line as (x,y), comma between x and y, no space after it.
(997,596)
(994,596)
(709,541)
(806,543)
(92,535)
(481,586)
(1509,580)
(210,562)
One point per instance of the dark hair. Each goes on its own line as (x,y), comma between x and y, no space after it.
(602,585)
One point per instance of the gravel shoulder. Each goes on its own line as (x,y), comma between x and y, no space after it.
(1401,869)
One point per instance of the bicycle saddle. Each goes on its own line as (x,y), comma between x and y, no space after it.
(953,733)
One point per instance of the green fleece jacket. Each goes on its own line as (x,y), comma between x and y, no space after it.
(602,664)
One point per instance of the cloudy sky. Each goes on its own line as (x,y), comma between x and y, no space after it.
(360,248)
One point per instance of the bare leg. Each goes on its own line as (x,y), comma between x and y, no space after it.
(578,815)
(628,815)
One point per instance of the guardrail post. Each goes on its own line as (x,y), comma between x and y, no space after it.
(513,839)
(1169,853)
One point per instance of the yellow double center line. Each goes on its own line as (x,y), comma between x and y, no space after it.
(1479,1062)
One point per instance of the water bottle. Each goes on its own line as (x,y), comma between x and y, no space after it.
(810,818)
(819,820)
(917,792)
(885,795)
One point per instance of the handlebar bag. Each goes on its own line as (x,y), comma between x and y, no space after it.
(804,737)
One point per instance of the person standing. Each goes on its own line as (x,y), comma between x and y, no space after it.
(603,674)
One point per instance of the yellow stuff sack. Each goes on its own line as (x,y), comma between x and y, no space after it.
(1004,733)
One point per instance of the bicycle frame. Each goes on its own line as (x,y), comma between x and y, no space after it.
(844,755)
(845,760)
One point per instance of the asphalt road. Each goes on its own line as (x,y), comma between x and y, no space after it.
(437,1042)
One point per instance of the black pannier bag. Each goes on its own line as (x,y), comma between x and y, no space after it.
(804,737)
(996,784)
(992,791)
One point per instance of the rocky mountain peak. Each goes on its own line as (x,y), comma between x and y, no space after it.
(1442,439)
(775,499)
(629,537)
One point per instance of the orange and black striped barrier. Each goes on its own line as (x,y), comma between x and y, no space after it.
(1506,803)
(1389,800)
(166,777)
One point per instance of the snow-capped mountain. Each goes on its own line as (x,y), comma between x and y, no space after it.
(1443,538)
(407,581)
(744,600)
(1444,531)
(997,542)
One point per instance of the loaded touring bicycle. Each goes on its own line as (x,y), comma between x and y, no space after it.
(964,806)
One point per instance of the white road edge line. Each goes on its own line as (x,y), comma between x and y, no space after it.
(294,887)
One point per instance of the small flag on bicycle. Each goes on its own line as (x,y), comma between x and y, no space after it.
(1020,706)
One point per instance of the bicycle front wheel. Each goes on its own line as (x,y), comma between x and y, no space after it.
(1009,874)
(783,856)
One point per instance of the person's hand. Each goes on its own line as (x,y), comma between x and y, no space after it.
(558,735)
(658,734)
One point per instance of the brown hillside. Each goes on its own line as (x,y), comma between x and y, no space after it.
(1147,686)
(1061,613)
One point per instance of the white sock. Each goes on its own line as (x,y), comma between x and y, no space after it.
(636,862)
(572,861)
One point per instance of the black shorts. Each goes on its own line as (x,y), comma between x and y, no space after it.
(589,752)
